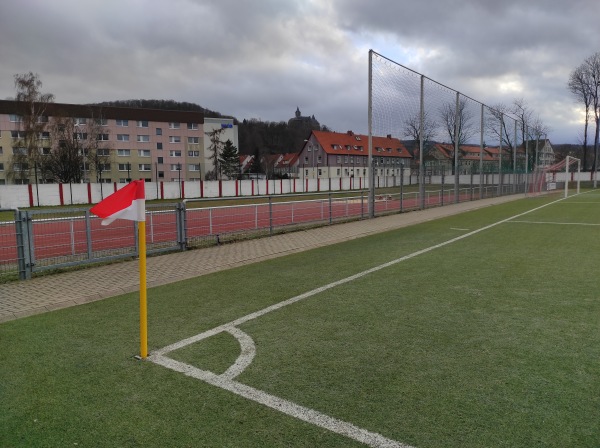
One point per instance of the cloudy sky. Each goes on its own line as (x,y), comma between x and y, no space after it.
(262,58)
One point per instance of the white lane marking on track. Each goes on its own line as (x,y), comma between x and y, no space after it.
(280,404)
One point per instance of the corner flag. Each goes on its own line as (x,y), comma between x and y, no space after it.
(130,203)
(127,203)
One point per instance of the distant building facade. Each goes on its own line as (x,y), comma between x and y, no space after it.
(148,144)
(340,155)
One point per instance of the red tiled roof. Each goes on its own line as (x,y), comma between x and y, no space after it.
(288,159)
(358,144)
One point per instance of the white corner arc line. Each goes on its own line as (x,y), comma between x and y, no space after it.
(247,353)
(284,406)
(280,404)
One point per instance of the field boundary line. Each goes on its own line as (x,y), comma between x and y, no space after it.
(312,416)
(557,223)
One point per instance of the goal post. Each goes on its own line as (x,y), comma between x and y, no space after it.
(567,165)
(554,178)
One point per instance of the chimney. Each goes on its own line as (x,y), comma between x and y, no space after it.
(389,136)
(350,133)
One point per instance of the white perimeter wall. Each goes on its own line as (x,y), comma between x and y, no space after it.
(19,196)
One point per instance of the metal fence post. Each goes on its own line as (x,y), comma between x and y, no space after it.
(20,231)
(181,224)
(88,234)
(330,209)
(270,215)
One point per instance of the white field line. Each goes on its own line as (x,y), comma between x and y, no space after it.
(279,404)
(225,381)
(557,223)
(457,228)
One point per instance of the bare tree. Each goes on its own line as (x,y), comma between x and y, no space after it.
(497,129)
(412,130)
(580,86)
(66,158)
(216,146)
(592,68)
(465,129)
(32,124)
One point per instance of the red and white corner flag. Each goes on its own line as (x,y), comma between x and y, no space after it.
(130,203)
(127,203)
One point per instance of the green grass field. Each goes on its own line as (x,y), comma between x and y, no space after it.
(490,340)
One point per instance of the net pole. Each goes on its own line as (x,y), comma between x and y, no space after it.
(457,125)
(370,155)
(578,174)
(481,155)
(421,146)
(526,159)
(567,177)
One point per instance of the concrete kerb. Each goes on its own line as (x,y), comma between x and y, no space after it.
(78,287)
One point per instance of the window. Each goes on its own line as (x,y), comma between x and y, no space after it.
(160,160)
(42,119)
(1,150)
(104,167)
(45,151)
(142,124)
(143,138)
(346,159)
(174,139)
(144,152)
(339,159)
(21,181)
(176,167)
(19,151)
(159,145)
(174,125)
(1,166)
(175,153)
(305,159)
(158,131)
(161,174)
(193,140)
(144,167)
(193,167)
(123,152)
(123,123)
(17,134)
(20,166)
(44,135)
(15,118)
(124,166)
(80,135)
(102,137)
(192,126)
(357,137)
(78,121)
(123,137)
(101,121)
(103,152)
(193,153)
(319,159)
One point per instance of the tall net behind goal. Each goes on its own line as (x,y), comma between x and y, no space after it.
(556,178)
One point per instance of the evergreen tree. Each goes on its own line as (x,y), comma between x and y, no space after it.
(229,161)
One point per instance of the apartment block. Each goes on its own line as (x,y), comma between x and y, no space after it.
(130,143)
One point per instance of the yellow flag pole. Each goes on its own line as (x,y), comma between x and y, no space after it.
(143,294)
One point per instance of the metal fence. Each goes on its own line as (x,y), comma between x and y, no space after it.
(41,240)
(448,133)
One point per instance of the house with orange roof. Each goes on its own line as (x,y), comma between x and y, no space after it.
(340,155)
(287,165)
